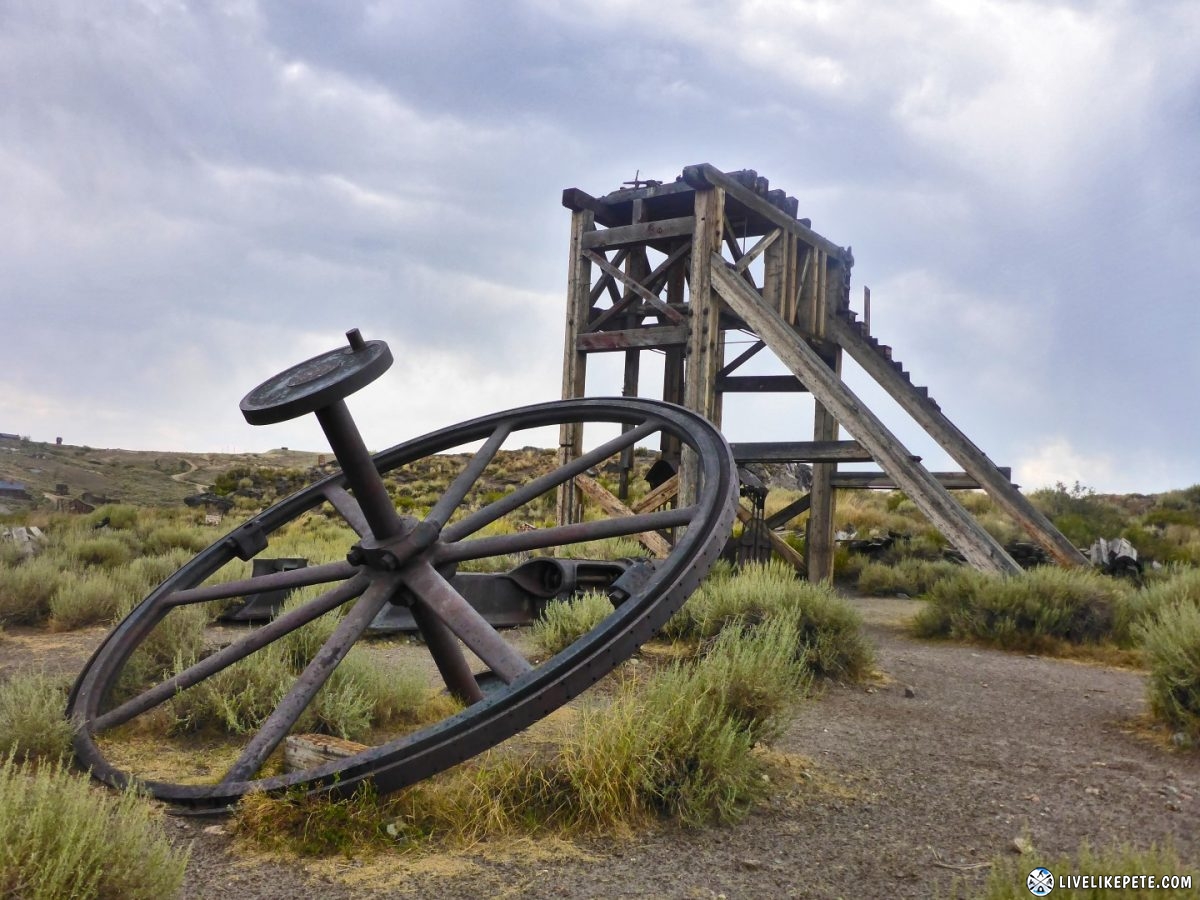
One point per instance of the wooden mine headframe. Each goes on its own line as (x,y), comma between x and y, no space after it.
(702,288)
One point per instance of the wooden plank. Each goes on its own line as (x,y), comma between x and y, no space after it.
(828,389)
(661,495)
(647,295)
(704,175)
(704,353)
(742,358)
(639,233)
(752,254)
(606,281)
(749,384)
(596,492)
(307,751)
(778,544)
(795,508)
(574,380)
(960,448)
(578,200)
(881,481)
(673,366)
(653,282)
(632,338)
(774,289)
(819,544)
(800,451)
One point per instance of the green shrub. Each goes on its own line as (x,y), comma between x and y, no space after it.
(26,589)
(910,576)
(1006,880)
(32,717)
(106,552)
(87,598)
(62,838)
(831,642)
(174,537)
(1171,644)
(173,644)
(564,621)
(1031,611)
(118,516)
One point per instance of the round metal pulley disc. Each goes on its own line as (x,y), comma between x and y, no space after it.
(316,383)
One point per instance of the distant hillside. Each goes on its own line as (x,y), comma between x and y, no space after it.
(140,477)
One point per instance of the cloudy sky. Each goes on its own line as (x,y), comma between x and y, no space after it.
(198,195)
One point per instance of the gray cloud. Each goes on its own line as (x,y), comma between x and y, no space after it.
(201,194)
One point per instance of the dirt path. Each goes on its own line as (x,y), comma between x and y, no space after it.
(989,746)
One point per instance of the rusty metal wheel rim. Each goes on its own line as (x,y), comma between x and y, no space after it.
(528,698)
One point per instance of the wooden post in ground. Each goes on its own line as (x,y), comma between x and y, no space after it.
(574,381)
(704,335)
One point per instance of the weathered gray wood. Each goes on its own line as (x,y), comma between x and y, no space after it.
(979,547)
(639,233)
(704,175)
(752,254)
(789,554)
(960,448)
(596,492)
(881,481)
(750,384)
(640,289)
(789,512)
(800,451)
(704,357)
(632,338)
(653,282)
(307,751)
(741,358)
(574,382)
(660,496)
(819,542)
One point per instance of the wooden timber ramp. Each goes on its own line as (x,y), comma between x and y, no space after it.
(800,313)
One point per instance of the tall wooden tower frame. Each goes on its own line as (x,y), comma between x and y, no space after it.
(703,288)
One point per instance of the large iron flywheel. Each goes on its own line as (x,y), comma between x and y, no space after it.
(412,562)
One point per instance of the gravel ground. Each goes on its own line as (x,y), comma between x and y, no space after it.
(897,795)
(912,784)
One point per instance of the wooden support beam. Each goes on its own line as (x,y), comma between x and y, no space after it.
(574,380)
(828,389)
(741,359)
(819,543)
(778,544)
(632,338)
(800,451)
(639,233)
(752,254)
(881,481)
(578,200)
(650,297)
(660,496)
(653,282)
(751,384)
(704,176)
(596,492)
(789,512)
(704,353)
(960,448)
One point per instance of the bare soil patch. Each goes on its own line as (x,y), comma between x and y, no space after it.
(885,794)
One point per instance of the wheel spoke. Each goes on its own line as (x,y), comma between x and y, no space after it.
(347,507)
(293,578)
(227,656)
(544,538)
(449,501)
(465,621)
(311,680)
(539,486)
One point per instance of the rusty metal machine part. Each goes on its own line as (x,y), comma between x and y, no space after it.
(405,561)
